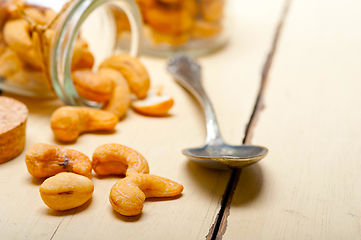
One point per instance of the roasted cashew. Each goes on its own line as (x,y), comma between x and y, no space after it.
(49,14)
(169,20)
(17,35)
(82,57)
(10,63)
(155,104)
(43,160)
(127,196)
(119,101)
(31,58)
(66,191)
(117,159)
(132,70)
(92,86)
(36,15)
(68,122)
(212,10)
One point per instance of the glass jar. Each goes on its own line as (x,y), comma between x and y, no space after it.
(41,42)
(192,26)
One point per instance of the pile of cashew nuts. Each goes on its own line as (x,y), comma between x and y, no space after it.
(176,22)
(69,173)
(25,36)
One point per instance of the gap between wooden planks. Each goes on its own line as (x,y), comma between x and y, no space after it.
(219,227)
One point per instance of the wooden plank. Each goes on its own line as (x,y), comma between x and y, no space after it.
(309,185)
(230,78)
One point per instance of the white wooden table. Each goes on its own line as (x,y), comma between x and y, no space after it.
(308,187)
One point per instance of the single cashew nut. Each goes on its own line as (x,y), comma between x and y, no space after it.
(17,35)
(50,15)
(118,159)
(10,63)
(66,191)
(132,70)
(119,101)
(92,86)
(212,10)
(155,104)
(82,57)
(68,122)
(169,20)
(43,160)
(31,58)
(36,15)
(127,196)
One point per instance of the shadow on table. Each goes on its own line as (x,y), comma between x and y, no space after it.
(37,105)
(249,185)
(56,213)
(210,181)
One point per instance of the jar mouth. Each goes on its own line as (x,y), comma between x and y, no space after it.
(67,32)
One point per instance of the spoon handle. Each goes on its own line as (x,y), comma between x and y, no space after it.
(187,73)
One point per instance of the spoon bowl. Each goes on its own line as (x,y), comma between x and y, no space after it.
(225,156)
(215,153)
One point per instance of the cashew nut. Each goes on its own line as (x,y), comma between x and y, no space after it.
(117,159)
(127,196)
(17,35)
(92,86)
(82,57)
(49,14)
(169,20)
(212,10)
(132,70)
(120,98)
(43,160)
(155,104)
(10,63)
(36,15)
(68,122)
(31,58)
(66,191)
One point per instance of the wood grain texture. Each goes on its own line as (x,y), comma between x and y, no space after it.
(231,78)
(309,185)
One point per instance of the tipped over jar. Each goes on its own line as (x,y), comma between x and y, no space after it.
(43,42)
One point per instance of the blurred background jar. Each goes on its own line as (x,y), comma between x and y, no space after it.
(192,26)
(43,42)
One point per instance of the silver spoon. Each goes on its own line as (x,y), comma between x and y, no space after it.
(215,153)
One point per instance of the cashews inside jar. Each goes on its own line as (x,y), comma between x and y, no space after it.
(132,70)
(66,191)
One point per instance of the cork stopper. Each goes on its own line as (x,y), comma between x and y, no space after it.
(13,115)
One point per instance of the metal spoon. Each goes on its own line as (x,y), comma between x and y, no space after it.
(215,153)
